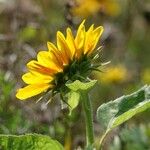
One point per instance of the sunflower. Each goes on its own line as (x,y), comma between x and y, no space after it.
(70,60)
(113,74)
(85,8)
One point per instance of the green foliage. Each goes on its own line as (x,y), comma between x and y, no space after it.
(116,112)
(29,141)
(12,120)
(6,88)
(132,138)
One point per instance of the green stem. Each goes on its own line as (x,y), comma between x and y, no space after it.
(88,118)
(102,139)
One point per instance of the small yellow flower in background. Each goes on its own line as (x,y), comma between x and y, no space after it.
(146,76)
(112,74)
(85,8)
(68,61)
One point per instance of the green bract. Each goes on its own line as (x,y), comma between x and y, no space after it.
(81,86)
(73,100)
(76,88)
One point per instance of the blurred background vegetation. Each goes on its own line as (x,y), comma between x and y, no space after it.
(26,26)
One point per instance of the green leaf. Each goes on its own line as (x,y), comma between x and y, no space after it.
(116,112)
(28,142)
(73,100)
(81,86)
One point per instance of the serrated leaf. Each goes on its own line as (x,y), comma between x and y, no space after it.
(28,142)
(73,100)
(81,86)
(116,112)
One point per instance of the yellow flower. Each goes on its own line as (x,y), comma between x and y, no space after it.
(85,8)
(146,76)
(112,74)
(68,61)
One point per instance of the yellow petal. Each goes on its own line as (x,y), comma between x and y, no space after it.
(35,66)
(88,39)
(36,78)
(51,46)
(96,36)
(47,59)
(70,42)
(53,49)
(63,47)
(80,39)
(32,90)
(98,32)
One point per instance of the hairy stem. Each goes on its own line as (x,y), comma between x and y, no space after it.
(88,118)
